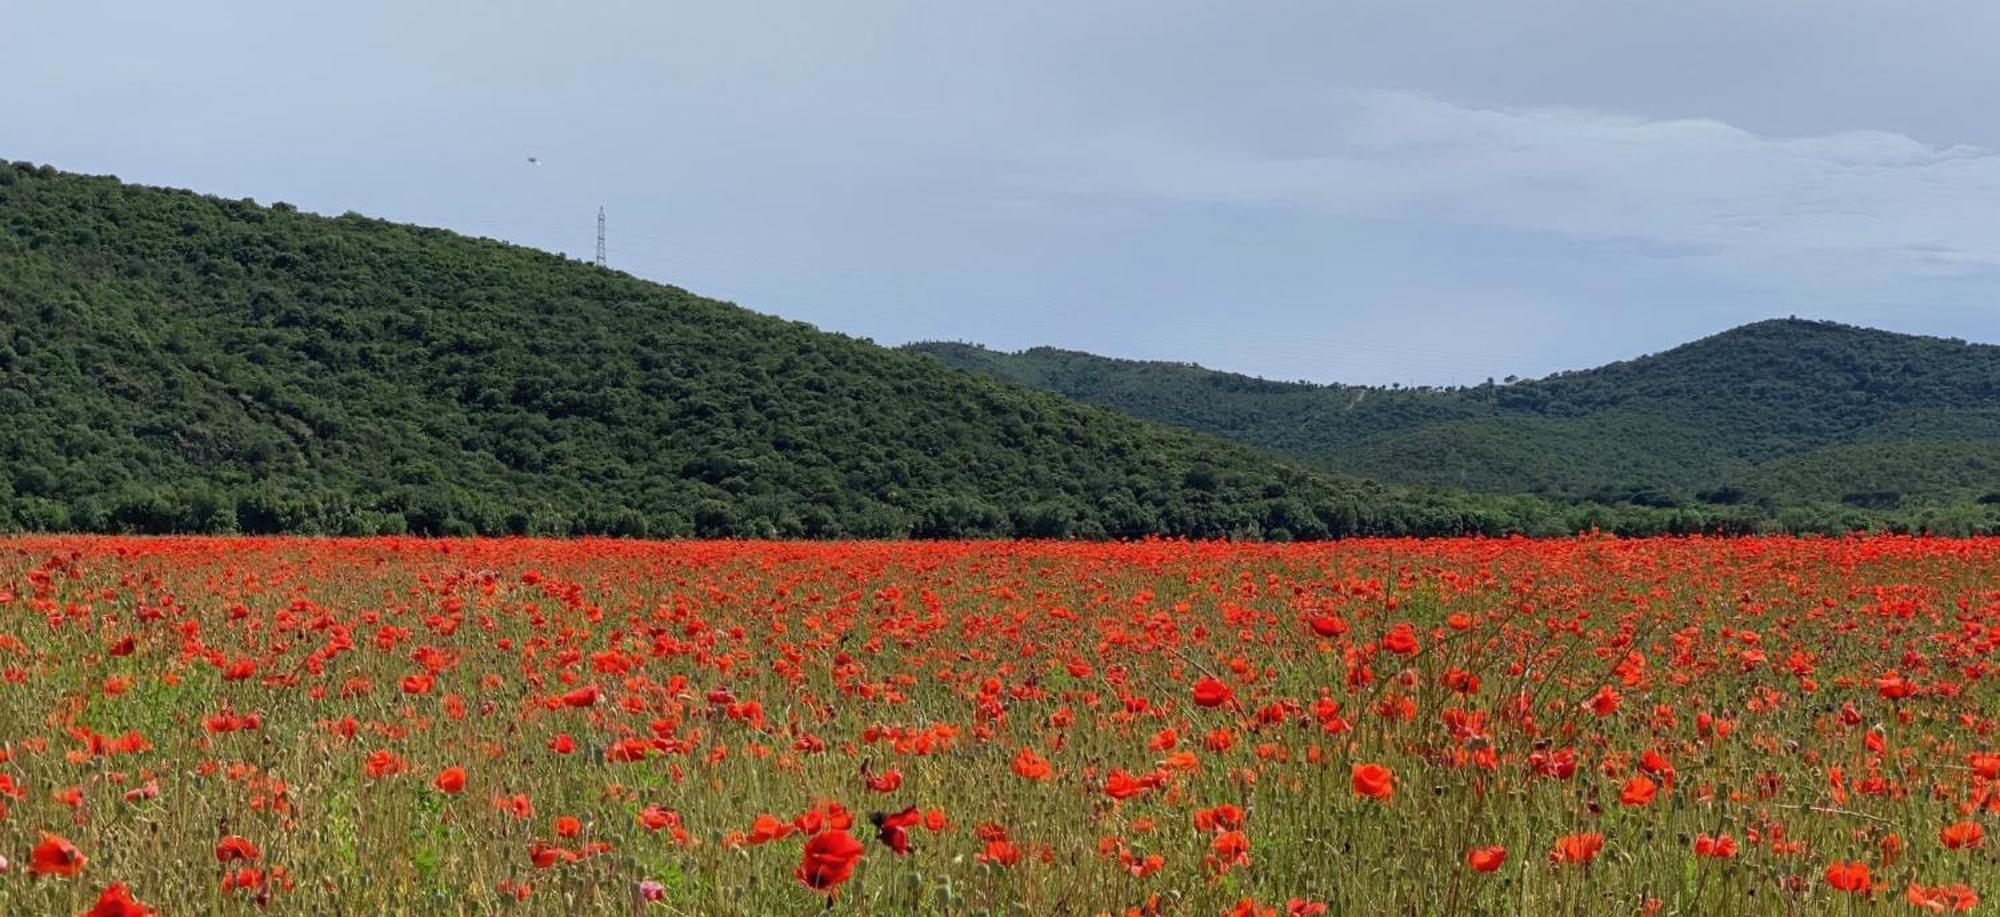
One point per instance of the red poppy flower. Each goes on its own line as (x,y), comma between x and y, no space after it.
(1219,818)
(885,782)
(1638,791)
(1401,640)
(1893,686)
(236,848)
(1848,877)
(1961,835)
(1120,784)
(893,828)
(830,858)
(55,856)
(1655,765)
(1374,781)
(1576,849)
(1211,692)
(1560,764)
(1229,849)
(543,855)
(450,780)
(1000,852)
(382,763)
(117,901)
(243,878)
(1721,848)
(1032,766)
(1957,898)
(1485,859)
(659,818)
(766,828)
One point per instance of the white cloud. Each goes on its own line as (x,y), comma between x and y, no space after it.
(1873,201)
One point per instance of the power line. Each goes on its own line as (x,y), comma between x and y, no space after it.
(600,235)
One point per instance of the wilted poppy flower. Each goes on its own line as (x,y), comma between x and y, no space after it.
(830,858)
(55,856)
(1374,781)
(1485,859)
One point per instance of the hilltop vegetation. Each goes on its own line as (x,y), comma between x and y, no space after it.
(173,362)
(1784,417)
(176,362)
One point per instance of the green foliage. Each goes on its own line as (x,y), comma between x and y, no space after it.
(171,362)
(1811,425)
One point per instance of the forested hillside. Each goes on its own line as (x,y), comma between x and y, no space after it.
(1777,414)
(176,362)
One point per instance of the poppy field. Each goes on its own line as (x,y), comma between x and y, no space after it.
(1589,725)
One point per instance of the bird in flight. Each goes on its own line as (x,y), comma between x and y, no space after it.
(534,160)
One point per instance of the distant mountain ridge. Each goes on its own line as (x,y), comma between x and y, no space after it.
(1776,413)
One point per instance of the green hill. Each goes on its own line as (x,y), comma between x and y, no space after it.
(1776,414)
(175,362)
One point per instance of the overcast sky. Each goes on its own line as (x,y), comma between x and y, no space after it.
(1399,191)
